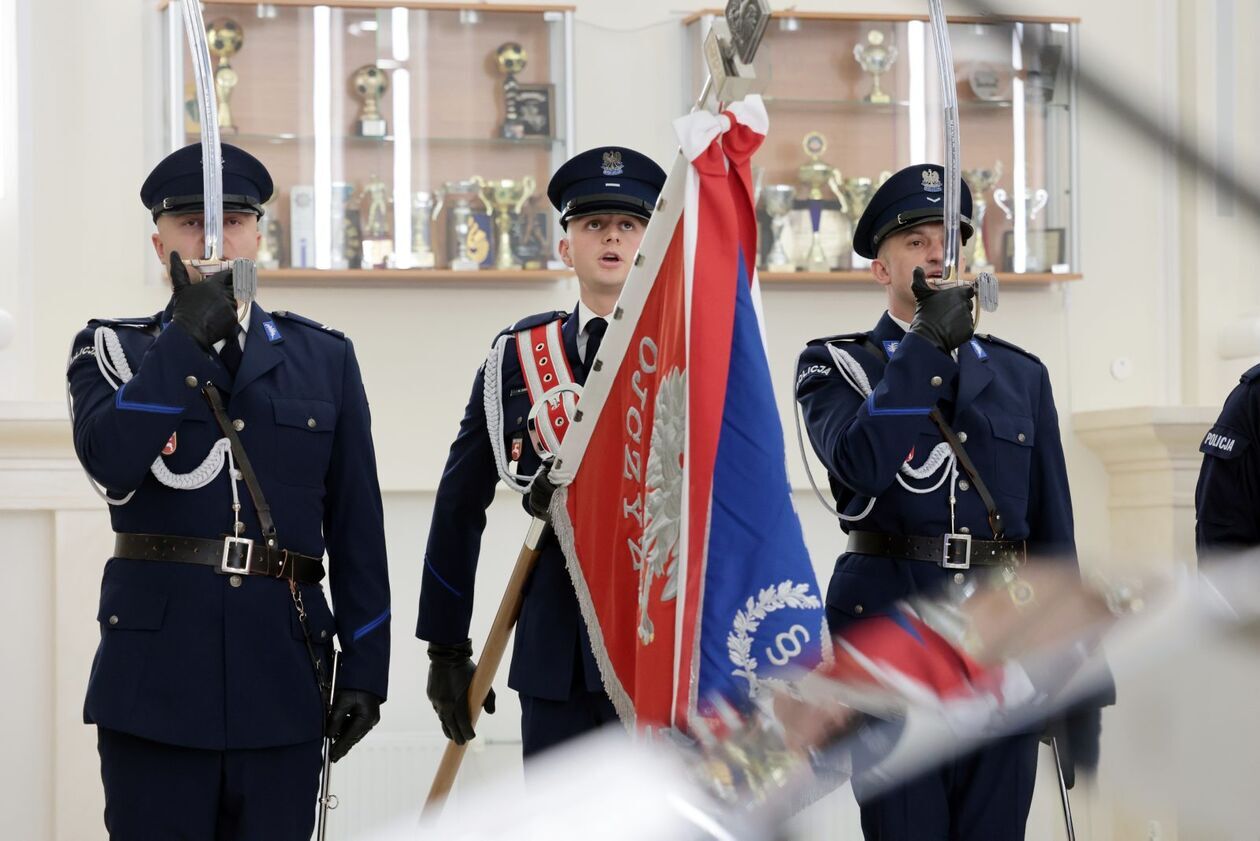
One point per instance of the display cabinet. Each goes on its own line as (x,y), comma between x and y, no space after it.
(854,97)
(410,142)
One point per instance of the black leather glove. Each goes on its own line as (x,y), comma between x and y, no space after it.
(451,669)
(354,713)
(206,310)
(541,490)
(942,316)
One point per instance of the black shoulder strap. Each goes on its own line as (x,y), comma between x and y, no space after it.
(246,468)
(995,516)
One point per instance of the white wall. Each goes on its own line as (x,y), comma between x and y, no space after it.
(1161,257)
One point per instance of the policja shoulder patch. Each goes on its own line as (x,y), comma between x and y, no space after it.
(1223,442)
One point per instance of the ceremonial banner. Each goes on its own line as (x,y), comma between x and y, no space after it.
(677,520)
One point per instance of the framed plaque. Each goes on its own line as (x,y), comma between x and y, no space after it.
(535,109)
(989,82)
(1045,250)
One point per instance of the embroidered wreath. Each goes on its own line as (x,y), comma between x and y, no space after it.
(739,641)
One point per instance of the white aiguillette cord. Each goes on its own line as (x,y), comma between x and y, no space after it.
(112,362)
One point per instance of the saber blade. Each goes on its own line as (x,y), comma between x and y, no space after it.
(953,141)
(208,114)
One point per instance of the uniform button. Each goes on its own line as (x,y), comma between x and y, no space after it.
(857,608)
(310,422)
(190,381)
(323,635)
(962,438)
(1020,437)
(113,620)
(959,578)
(964,485)
(964,530)
(936,381)
(235,581)
(238,424)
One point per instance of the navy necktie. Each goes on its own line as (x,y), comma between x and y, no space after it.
(595,329)
(231,352)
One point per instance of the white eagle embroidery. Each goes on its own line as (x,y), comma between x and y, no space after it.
(662,508)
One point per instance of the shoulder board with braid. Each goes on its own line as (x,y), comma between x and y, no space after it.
(839,337)
(992,339)
(140,321)
(532,321)
(308,322)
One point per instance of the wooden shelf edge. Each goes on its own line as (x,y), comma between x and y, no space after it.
(892,18)
(405,277)
(850,277)
(394,278)
(406,4)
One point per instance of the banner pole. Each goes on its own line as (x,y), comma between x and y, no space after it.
(491,656)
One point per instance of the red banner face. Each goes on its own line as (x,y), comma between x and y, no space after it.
(633,465)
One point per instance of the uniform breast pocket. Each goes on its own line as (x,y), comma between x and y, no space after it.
(304,434)
(1013,441)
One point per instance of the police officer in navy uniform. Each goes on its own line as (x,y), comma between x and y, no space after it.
(917,519)
(206,686)
(605,197)
(1227,497)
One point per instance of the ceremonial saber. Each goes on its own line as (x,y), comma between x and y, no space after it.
(1063,791)
(491,656)
(986,284)
(244,272)
(953,140)
(327,802)
(208,113)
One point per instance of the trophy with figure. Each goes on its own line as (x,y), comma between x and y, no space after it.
(225,37)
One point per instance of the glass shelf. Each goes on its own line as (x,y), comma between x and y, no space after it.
(896,105)
(286,138)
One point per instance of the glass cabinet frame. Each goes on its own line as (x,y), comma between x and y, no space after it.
(442,121)
(1017,91)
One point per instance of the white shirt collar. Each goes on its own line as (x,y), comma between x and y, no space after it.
(585,314)
(249,311)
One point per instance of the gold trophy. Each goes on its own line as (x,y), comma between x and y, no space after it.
(980,181)
(225,37)
(511,58)
(505,198)
(816,174)
(876,58)
(856,193)
(377,245)
(370,83)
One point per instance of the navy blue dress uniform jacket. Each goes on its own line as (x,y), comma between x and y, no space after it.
(550,631)
(186,658)
(996,393)
(1227,498)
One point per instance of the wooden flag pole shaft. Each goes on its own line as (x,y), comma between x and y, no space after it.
(491,655)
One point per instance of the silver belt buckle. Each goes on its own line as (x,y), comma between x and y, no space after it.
(947,551)
(238,556)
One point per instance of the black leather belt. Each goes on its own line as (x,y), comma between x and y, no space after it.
(951,551)
(229,555)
